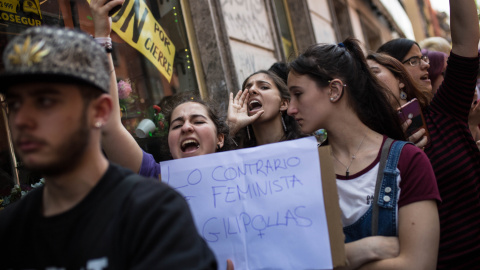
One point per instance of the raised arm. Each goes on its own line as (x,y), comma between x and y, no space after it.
(117,142)
(464,27)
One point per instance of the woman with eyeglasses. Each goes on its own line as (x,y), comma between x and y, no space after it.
(453,153)
(397,80)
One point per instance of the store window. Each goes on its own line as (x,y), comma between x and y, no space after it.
(285,29)
(142,82)
(343,19)
(372,36)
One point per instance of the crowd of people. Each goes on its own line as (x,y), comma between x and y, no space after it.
(65,121)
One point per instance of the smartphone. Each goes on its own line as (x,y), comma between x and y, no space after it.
(412,110)
(114,9)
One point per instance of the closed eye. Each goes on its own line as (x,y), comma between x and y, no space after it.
(176,124)
(375,70)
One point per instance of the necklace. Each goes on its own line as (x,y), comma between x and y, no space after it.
(347,172)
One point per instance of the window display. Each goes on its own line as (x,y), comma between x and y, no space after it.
(152,58)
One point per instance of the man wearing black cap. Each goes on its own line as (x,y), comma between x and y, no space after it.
(90,214)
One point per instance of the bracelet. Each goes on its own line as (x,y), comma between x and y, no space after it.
(105,42)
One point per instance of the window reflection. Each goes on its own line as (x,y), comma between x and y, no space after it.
(144,86)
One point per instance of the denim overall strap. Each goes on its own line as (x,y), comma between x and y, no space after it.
(381,168)
(387,210)
(387,196)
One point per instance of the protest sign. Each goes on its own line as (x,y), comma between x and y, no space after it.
(263,207)
(137,26)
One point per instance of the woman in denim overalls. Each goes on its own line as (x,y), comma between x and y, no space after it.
(331,87)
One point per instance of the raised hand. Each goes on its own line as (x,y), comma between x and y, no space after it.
(100,9)
(237,117)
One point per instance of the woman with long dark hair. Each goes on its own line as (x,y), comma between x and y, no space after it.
(195,126)
(332,87)
(402,88)
(257,114)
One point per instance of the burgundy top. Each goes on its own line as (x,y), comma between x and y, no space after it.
(455,160)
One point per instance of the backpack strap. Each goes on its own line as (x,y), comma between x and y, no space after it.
(381,168)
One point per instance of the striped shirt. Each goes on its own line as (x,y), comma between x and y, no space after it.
(455,160)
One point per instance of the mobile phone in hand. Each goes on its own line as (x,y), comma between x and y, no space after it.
(413,111)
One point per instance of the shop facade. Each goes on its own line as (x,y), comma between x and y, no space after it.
(204,46)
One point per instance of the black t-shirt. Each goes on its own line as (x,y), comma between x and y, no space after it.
(151,229)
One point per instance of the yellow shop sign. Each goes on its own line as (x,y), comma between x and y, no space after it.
(13,12)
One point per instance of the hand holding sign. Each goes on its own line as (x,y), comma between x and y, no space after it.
(261,207)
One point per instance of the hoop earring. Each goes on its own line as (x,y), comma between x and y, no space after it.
(248,133)
(283,123)
(403,95)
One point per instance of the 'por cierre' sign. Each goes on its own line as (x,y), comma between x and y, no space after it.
(261,207)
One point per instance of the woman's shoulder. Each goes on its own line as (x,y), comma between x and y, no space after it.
(411,154)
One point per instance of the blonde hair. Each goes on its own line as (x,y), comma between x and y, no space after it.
(437,44)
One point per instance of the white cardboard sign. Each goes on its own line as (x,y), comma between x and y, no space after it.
(261,207)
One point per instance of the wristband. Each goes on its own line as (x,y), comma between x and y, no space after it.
(105,42)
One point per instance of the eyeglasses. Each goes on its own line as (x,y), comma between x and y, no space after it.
(415,60)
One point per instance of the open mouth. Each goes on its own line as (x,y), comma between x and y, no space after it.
(189,145)
(424,77)
(254,105)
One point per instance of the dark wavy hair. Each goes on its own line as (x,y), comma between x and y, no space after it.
(281,70)
(366,95)
(293,130)
(412,88)
(397,48)
(168,105)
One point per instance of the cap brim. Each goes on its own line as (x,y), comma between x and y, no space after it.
(10,79)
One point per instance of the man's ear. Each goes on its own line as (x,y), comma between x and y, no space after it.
(220,140)
(284,105)
(101,109)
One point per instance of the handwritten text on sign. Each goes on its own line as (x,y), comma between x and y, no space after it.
(261,207)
